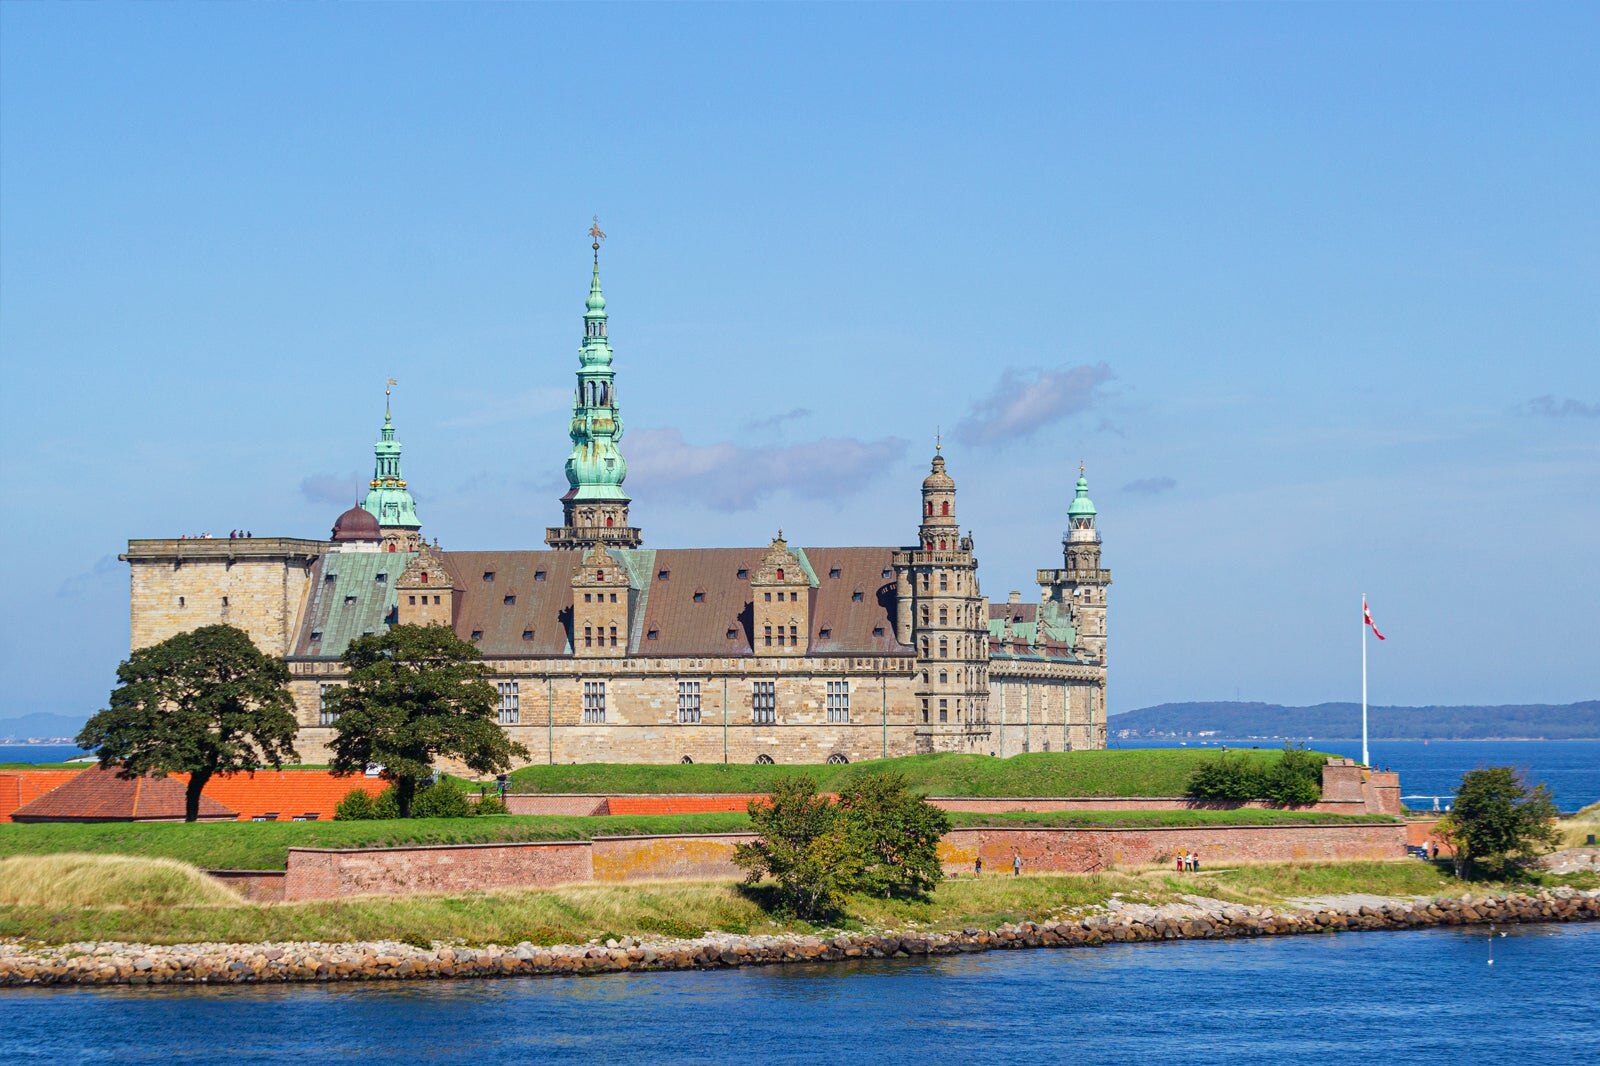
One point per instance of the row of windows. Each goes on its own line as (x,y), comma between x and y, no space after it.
(793,636)
(590,636)
(763,701)
(963,646)
(979,709)
(410,600)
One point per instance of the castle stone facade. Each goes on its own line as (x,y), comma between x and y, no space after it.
(605,650)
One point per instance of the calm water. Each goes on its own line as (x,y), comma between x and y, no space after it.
(1570,767)
(38,752)
(1424,996)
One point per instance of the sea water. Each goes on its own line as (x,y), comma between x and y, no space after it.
(1417,996)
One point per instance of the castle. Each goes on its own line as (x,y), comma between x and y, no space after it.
(604,650)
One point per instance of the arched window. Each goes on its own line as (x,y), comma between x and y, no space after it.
(608,520)
(780,575)
(944,616)
(944,648)
(686,760)
(930,508)
(837,759)
(763,760)
(944,507)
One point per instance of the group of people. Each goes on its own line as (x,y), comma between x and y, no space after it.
(233,534)
(1188,861)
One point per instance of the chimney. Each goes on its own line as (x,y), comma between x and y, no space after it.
(1014,597)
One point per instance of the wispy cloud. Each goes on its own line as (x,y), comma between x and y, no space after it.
(1548,406)
(492,410)
(1150,486)
(730,477)
(774,421)
(333,490)
(1026,401)
(102,571)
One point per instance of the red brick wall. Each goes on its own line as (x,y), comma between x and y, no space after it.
(1083,850)
(325,874)
(258,886)
(524,803)
(660,858)
(995,804)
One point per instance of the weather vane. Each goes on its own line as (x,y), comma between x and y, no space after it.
(388,387)
(1080,467)
(938,439)
(598,235)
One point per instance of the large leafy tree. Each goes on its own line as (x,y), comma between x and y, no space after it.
(896,832)
(203,702)
(1498,825)
(415,694)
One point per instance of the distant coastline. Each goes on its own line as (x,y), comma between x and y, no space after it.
(1271,722)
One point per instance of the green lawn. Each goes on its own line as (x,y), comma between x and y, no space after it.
(265,845)
(1125,772)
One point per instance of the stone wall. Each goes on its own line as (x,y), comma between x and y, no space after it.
(258,585)
(661,858)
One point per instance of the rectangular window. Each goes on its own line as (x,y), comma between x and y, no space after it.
(764,703)
(742,574)
(944,710)
(766,636)
(838,701)
(594,702)
(688,702)
(538,575)
(411,600)
(767,597)
(857,596)
(794,636)
(944,582)
(613,636)
(833,571)
(327,714)
(510,601)
(510,709)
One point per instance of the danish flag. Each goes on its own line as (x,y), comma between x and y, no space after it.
(1366,614)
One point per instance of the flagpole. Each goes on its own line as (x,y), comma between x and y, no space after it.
(1365,760)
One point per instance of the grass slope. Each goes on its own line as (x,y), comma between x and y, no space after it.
(74,880)
(265,845)
(575,914)
(1126,772)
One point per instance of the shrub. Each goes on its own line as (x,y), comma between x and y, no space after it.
(896,833)
(443,799)
(801,845)
(1229,776)
(387,805)
(1295,779)
(357,806)
(1498,825)
(490,805)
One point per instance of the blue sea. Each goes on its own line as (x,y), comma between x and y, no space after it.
(1422,996)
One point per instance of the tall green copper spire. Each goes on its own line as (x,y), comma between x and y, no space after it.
(595,509)
(387,497)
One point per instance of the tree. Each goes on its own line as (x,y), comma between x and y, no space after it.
(803,846)
(203,702)
(416,693)
(896,832)
(1498,825)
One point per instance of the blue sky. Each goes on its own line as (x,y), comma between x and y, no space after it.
(1311,288)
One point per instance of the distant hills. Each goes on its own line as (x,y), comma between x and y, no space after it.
(1342,721)
(19,729)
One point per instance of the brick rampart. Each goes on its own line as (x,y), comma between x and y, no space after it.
(658,858)
(258,886)
(526,803)
(315,873)
(1085,850)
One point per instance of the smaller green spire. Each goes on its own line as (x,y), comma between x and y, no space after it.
(387,497)
(1082,507)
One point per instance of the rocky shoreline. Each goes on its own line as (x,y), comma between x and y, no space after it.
(1120,922)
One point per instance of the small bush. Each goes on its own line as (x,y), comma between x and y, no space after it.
(1229,776)
(490,805)
(445,799)
(1294,780)
(387,805)
(357,806)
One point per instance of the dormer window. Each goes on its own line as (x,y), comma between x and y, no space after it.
(527,634)
(877,631)
(538,575)
(652,634)
(488,575)
(477,634)
(824,633)
(834,572)
(510,601)
(663,575)
(381,578)
(349,600)
(733,634)
(699,596)
(886,572)
(316,635)
(742,574)
(857,596)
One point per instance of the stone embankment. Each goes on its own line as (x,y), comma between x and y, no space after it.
(137,964)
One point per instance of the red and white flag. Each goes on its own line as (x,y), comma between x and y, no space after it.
(1366,614)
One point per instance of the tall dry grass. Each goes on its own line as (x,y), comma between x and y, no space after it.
(79,880)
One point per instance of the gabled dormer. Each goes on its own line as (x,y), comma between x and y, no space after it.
(780,591)
(600,605)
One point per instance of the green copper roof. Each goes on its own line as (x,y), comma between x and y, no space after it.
(352,594)
(596,468)
(387,498)
(1082,506)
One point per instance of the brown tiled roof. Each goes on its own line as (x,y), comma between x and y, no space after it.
(517,602)
(1017,612)
(103,795)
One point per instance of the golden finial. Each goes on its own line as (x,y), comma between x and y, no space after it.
(597,235)
(1080,467)
(938,439)
(388,386)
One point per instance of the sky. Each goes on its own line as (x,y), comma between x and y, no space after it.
(1312,290)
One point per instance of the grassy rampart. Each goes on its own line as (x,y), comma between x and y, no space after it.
(574,914)
(265,845)
(1122,772)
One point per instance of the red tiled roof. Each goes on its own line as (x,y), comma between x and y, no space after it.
(104,795)
(18,787)
(287,794)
